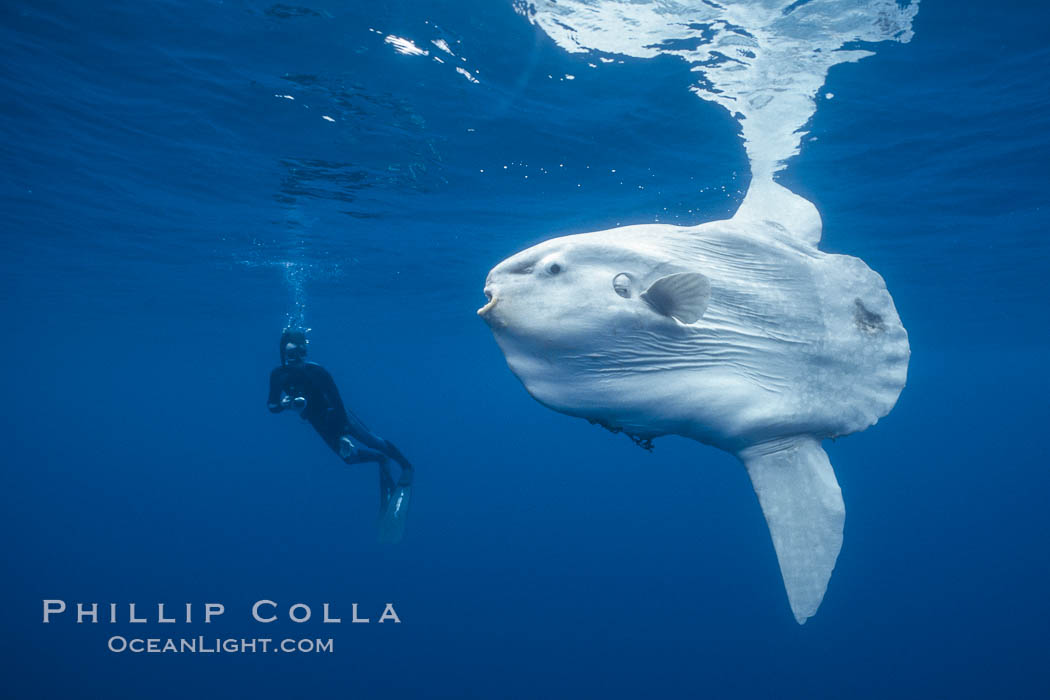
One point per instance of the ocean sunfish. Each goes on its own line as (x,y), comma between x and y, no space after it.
(739,334)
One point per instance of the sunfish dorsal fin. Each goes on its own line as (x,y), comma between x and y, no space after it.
(767,203)
(802,502)
(683,296)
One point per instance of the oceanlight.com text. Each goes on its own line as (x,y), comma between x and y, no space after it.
(218,645)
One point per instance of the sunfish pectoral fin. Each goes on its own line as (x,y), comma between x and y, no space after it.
(802,502)
(683,296)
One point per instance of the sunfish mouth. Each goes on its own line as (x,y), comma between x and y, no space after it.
(490,305)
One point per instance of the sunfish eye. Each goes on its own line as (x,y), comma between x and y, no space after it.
(554,268)
(622,285)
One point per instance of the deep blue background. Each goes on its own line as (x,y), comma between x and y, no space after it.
(152,188)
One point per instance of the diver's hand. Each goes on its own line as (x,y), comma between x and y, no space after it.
(297,404)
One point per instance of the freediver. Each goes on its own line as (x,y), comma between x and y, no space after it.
(309,390)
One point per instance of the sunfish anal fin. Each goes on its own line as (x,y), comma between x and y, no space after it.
(802,502)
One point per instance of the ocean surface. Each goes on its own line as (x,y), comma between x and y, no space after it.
(179,180)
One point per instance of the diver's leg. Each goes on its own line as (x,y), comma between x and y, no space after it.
(352,453)
(366,455)
(347,448)
(355,428)
(406,474)
(351,447)
(391,449)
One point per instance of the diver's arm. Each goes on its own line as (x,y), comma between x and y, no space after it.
(273,402)
(326,385)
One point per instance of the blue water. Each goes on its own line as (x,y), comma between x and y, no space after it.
(157,191)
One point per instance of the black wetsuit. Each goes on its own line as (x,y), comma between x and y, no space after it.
(324,408)
(341,429)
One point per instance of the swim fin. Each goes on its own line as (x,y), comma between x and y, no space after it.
(394,506)
(392,519)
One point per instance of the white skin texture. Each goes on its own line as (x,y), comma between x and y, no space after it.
(791,346)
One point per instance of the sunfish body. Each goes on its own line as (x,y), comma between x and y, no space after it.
(739,334)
